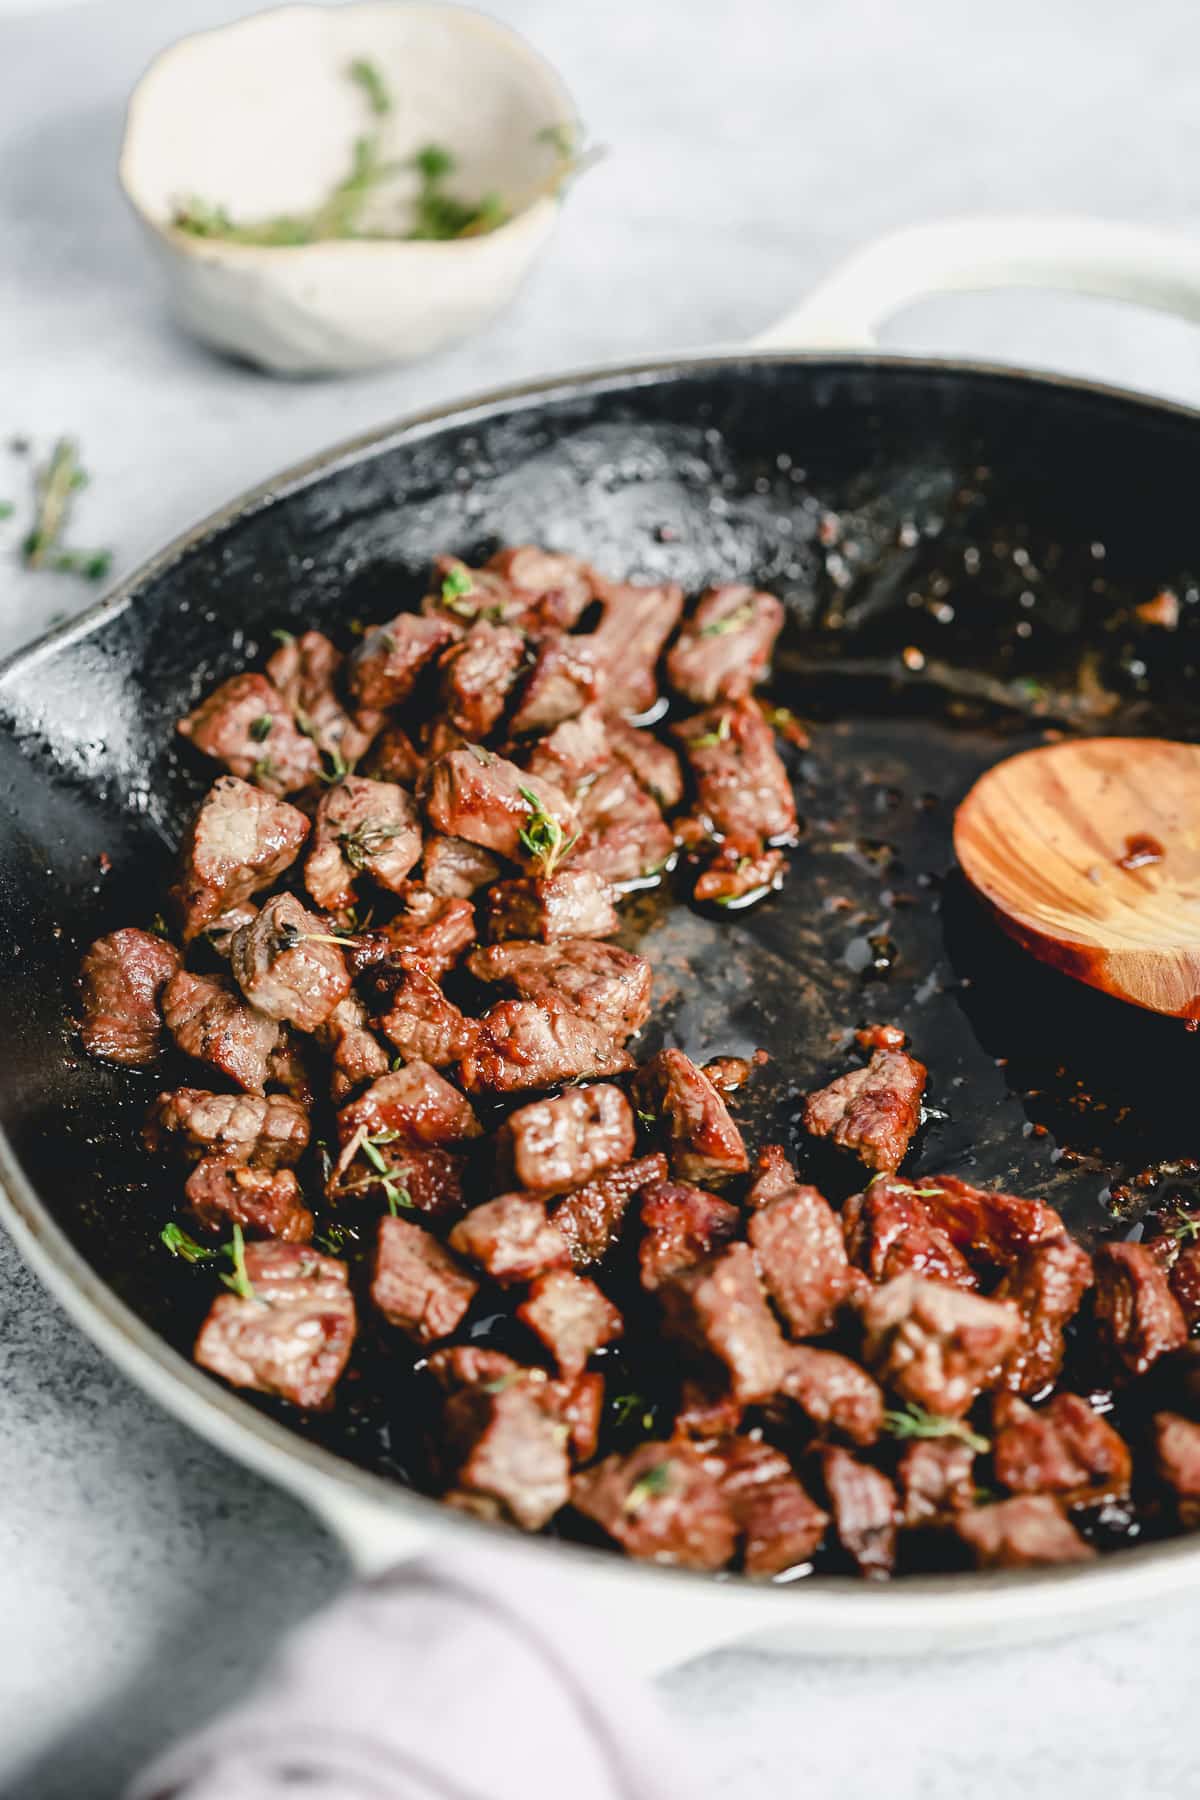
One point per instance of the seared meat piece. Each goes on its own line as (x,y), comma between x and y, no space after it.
(740,867)
(357,1056)
(362,828)
(477,795)
(600,981)
(704,1144)
(511,1238)
(286,967)
(571,1317)
(293,1337)
(720,1309)
(268,1131)
(387,664)
(873,1111)
(120,979)
(477,674)
(936,1481)
(219,935)
(1048,1282)
(724,649)
(394,1139)
(1064,1448)
(240,841)
(582,1408)
(1136,1313)
(934,1344)
(574,903)
(525,1045)
(555,1145)
(463,595)
(287,1070)
(394,757)
(1177,1457)
(561,683)
(423,1180)
(706,1414)
(992,1229)
(774,1175)
(417,1285)
(831,1390)
(418,1019)
(430,936)
(623,835)
(574,751)
(214,1025)
(781,1525)
(651,762)
(863,1502)
(453,869)
(626,646)
(660,1504)
(247,725)
(466,1365)
(415,1103)
(579,1403)
(1185,1284)
(590,1219)
(683,1224)
(305,669)
(556,587)
(728,1073)
(801,1256)
(742,787)
(891,1229)
(1026,1533)
(264,1202)
(880,1037)
(508,1443)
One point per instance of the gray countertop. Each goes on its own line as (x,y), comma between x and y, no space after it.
(142,1577)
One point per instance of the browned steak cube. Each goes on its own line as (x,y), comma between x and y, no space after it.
(719,1308)
(248,725)
(305,671)
(120,979)
(477,674)
(416,1103)
(602,982)
(781,1525)
(574,903)
(890,1230)
(683,1225)
(562,682)
(863,1502)
(508,1442)
(591,1218)
(213,1024)
(431,936)
(653,764)
(706,1414)
(357,1056)
(581,1403)
(937,1480)
(268,1131)
(416,1017)
(872,1111)
(453,869)
(623,835)
(935,1344)
(1185,1284)
(704,1144)
(554,1145)
(574,751)
(1177,1459)
(511,1238)
(739,867)
(525,1045)
(728,1073)
(571,1317)
(388,663)
(742,787)
(362,828)
(463,1365)
(992,1229)
(426,1181)
(1063,1448)
(477,795)
(724,649)
(661,1504)
(417,1284)
(462,595)
(633,631)
(240,841)
(774,1175)
(555,587)
(394,757)
(801,1255)
(832,1390)
(293,1336)
(1025,1533)
(1137,1315)
(286,966)
(1047,1282)
(264,1202)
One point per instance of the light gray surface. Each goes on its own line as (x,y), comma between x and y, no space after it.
(140,1575)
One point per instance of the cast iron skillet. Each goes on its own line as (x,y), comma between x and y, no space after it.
(958,548)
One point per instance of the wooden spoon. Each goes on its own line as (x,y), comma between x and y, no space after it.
(1090,853)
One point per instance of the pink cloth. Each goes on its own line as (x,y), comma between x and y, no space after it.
(462,1679)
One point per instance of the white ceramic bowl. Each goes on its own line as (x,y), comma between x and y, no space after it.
(260,118)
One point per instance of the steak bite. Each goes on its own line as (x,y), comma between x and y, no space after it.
(704,1144)
(507,1442)
(891,1230)
(214,1025)
(248,725)
(219,935)
(476,675)
(562,682)
(477,795)
(719,1308)
(1047,1282)
(385,668)
(574,903)
(286,966)
(552,586)
(706,1414)
(600,981)
(1064,1448)
(1184,1278)
(571,1317)
(305,670)
(240,841)
(801,1256)
(935,1345)
(362,828)
(623,835)
(863,1503)
(831,1390)
(292,1333)
(573,752)
(774,1175)
(742,787)
(431,936)
(873,1111)
(1137,1315)
(740,866)
(1027,1533)
(521,1044)
(1177,1459)
(937,1480)
(625,647)
(511,1238)
(555,1145)
(661,1504)
(416,1104)
(417,1284)
(394,757)
(416,1017)
(781,1525)
(994,1230)
(357,1056)
(724,649)
(264,1202)
(121,978)
(461,595)
(591,1218)
(653,764)
(453,869)
(267,1131)
(683,1225)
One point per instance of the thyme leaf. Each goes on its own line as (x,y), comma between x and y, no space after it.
(734,621)
(543,835)
(239,1281)
(181,1243)
(717,736)
(914,1422)
(656,1480)
(260,728)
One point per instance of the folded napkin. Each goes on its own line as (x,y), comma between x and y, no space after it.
(450,1678)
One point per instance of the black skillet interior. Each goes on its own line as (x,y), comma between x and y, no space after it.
(960,553)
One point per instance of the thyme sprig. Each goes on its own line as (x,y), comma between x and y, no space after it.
(543,836)
(239,1280)
(366,840)
(55,485)
(914,1422)
(394,1190)
(740,617)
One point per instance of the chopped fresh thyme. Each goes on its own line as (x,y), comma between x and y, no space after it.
(626,1406)
(334,1238)
(366,841)
(180,1243)
(543,836)
(734,621)
(499,1383)
(1186,1227)
(283,637)
(264,769)
(656,1480)
(261,727)
(648,1119)
(55,486)
(239,1281)
(395,1192)
(914,1422)
(710,738)
(457,583)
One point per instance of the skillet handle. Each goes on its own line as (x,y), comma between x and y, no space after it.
(1160,269)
